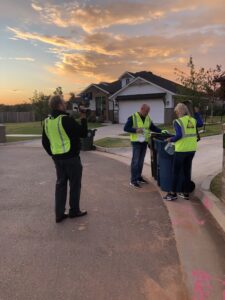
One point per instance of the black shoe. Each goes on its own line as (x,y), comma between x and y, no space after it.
(170,197)
(78,214)
(184,196)
(135,185)
(142,180)
(62,218)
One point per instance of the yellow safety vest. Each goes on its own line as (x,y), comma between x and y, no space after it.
(138,123)
(59,140)
(188,142)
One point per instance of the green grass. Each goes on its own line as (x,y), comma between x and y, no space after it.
(211,129)
(216,185)
(34,127)
(24,128)
(113,142)
(10,139)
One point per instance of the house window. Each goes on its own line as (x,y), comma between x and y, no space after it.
(100,106)
(127,81)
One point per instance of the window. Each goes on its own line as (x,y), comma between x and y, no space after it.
(100,106)
(127,80)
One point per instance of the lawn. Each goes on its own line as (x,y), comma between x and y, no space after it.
(10,139)
(113,142)
(216,184)
(33,127)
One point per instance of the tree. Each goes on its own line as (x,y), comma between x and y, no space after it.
(199,84)
(40,103)
(58,91)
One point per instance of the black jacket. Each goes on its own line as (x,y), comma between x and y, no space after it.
(74,130)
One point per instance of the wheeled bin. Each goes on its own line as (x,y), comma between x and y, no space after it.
(87,144)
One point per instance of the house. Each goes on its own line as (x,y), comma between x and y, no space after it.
(117,100)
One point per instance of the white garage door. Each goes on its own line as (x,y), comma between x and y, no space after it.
(127,108)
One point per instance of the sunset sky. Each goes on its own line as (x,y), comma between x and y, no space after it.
(45,44)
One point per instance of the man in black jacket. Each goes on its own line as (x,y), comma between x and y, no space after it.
(61,140)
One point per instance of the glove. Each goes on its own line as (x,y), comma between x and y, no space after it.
(164,131)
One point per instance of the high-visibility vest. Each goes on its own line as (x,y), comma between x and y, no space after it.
(59,140)
(188,142)
(138,123)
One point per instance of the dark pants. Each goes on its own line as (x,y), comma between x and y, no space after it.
(182,166)
(68,170)
(139,151)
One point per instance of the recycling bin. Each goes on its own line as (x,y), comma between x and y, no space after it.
(87,144)
(163,166)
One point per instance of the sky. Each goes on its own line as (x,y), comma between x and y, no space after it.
(45,44)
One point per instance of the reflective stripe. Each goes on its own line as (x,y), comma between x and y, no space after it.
(46,126)
(60,134)
(135,125)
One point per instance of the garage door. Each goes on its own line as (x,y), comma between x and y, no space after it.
(127,108)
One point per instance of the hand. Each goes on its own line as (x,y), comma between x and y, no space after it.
(168,140)
(139,130)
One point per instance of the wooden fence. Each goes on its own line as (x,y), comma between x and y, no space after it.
(16,117)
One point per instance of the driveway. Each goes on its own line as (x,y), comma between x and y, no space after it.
(123,249)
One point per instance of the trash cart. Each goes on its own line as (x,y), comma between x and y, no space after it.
(162,164)
(87,144)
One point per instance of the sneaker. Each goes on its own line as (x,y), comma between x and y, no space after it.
(184,196)
(170,197)
(135,185)
(142,180)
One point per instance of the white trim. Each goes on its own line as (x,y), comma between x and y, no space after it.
(93,85)
(137,78)
(124,74)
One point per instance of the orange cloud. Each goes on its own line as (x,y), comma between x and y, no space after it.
(91,16)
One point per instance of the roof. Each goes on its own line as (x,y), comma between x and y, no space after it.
(115,86)
(160,81)
(112,87)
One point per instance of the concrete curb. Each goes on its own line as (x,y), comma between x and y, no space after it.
(214,205)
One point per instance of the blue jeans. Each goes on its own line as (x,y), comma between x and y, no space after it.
(139,151)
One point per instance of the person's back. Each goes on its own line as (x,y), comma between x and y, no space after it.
(61,140)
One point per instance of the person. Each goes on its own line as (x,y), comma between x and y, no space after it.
(61,140)
(139,126)
(185,147)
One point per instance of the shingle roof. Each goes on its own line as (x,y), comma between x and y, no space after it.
(112,87)
(160,81)
(115,86)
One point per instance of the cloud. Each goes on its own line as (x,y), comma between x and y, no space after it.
(91,15)
(36,7)
(29,59)
(106,55)
(97,15)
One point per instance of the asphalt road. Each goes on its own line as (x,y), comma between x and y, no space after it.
(123,250)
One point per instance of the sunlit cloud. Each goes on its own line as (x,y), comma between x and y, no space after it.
(91,16)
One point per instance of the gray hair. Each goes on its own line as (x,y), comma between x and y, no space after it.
(182,109)
(55,101)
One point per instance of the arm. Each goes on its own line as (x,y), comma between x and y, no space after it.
(154,128)
(178,134)
(129,126)
(73,128)
(198,118)
(46,143)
